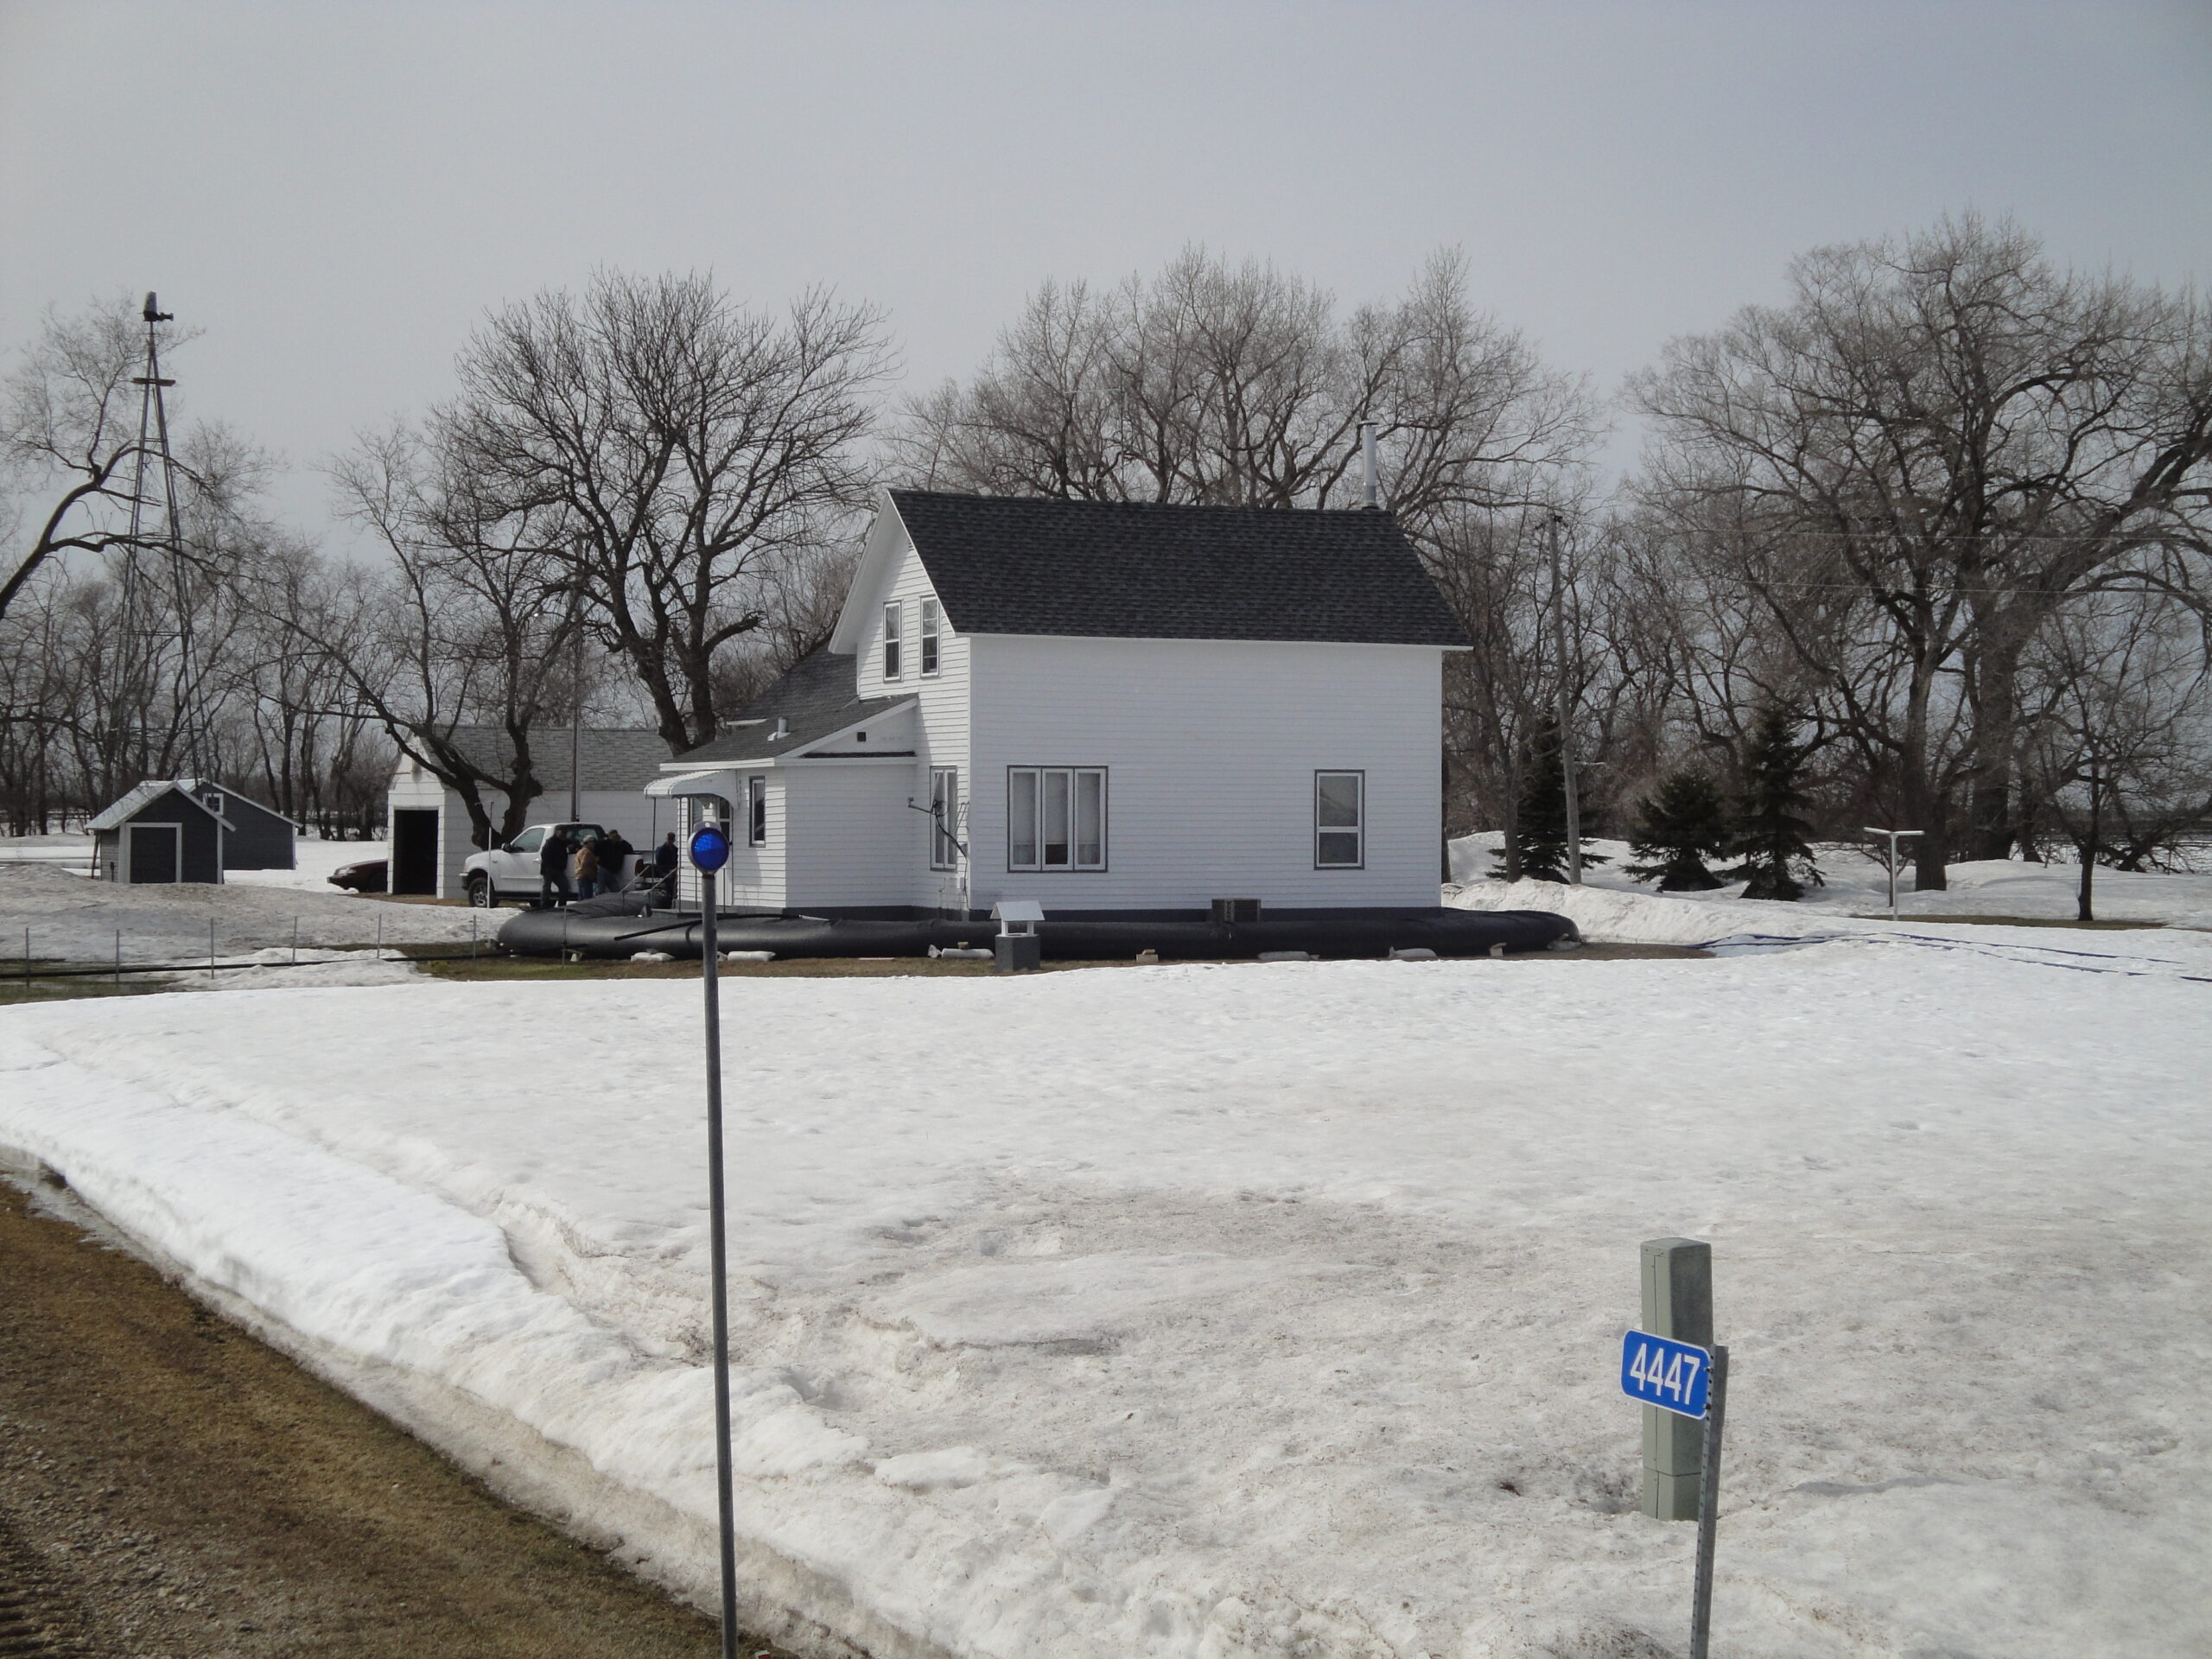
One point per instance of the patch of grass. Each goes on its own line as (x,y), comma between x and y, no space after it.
(71,988)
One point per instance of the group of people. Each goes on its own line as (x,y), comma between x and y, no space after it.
(595,862)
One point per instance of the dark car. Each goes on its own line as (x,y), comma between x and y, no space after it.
(368,875)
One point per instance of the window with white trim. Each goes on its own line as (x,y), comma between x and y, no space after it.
(891,622)
(944,817)
(1055,817)
(1339,820)
(756,811)
(929,638)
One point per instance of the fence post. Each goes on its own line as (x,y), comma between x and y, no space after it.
(1677,1303)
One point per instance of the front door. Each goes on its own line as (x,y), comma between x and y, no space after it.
(152,852)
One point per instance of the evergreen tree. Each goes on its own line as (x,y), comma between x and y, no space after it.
(1770,837)
(1680,827)
(1540,824)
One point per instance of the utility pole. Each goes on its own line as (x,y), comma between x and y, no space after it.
(1566,712)
(577,720)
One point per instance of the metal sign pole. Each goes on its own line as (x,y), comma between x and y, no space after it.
(1895,835)
(709,851)
(1708,1506)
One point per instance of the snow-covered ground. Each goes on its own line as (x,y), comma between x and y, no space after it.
(1856,885)
(73,919)
(314,859)
(1255,1310)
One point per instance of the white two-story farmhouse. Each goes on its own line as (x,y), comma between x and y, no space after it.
(1108,708)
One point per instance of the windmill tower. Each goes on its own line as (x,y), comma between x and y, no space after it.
(188,826)
(155,554)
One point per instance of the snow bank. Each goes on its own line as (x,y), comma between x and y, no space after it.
(1193,1311)
(1856,884)
(1736,927)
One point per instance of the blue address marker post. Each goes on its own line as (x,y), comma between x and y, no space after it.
(1690,1382)
(709,851)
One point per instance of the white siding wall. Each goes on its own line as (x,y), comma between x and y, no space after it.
(942,739)
(756,877)
(852,838)
(1211,748)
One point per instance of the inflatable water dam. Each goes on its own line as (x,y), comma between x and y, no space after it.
(622,927)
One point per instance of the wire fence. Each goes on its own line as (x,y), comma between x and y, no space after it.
(29,969)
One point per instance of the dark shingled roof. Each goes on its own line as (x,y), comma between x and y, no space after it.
(614,758)
(817,697)
(1140,571)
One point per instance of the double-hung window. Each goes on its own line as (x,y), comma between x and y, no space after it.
(929,630)
(1055,817)
(891,618)
(756,811)
(1339,820)
(944,817)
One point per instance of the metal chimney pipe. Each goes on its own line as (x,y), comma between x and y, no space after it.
(1367,456)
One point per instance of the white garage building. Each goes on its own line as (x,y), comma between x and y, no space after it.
(428,832)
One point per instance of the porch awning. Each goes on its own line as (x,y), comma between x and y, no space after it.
(694,783)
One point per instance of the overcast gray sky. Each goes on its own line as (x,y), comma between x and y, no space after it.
(335,194)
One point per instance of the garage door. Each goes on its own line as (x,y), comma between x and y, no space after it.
(154,852)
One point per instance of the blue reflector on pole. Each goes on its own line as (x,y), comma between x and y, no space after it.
(1675,1377)
(709,847)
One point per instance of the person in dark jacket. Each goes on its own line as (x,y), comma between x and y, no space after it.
(664,861)
(613,853)
(553,868)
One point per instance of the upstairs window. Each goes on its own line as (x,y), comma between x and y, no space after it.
(929,636)
(1339,820)
(756,811)
(944,817)
(1055,817)
(890,621)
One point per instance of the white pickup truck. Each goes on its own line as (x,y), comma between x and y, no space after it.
(510,872)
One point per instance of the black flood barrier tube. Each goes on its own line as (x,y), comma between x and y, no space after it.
(619,934)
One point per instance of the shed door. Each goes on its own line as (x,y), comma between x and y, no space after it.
(151,852)
(415,849)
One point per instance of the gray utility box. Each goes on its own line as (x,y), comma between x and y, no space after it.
(1018,950)
(1235,910)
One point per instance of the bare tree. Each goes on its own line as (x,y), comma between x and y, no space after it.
(69,434)
(1934,447)
(683,454)
(473,623)
(2117,724)
(1240,385)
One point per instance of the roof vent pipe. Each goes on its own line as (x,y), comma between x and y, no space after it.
(1367,457)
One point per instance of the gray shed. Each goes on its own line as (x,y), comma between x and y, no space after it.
(160,832)
(260,837)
